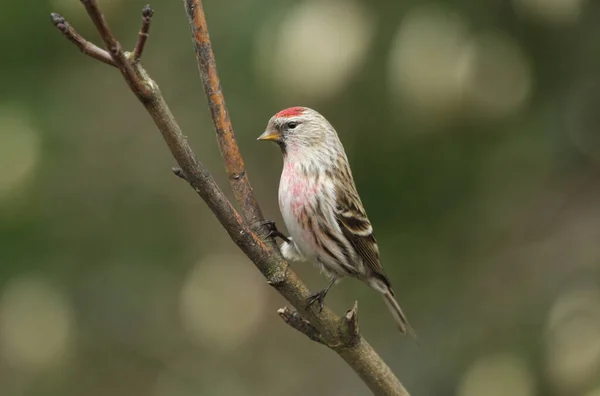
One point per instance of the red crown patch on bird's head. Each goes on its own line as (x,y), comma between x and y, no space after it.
(290,112)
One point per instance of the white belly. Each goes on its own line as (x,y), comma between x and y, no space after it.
(297,200)
(290,206)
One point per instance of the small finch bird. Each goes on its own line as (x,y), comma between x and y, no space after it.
(321,207)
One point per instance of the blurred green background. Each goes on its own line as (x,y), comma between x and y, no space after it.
(472,129)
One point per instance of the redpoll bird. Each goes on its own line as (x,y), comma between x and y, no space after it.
(321,207)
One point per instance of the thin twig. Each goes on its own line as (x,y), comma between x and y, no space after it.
(230,151)
(339,334)
(84,46)
(147,13)
(135,82)
(351,325)
(295,320)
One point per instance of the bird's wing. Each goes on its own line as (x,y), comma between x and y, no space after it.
(356,227)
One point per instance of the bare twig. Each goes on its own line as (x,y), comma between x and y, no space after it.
(230,152)
(339,334)
(351,324)
(135,81)
(147,13)
(85,46)
(294,319)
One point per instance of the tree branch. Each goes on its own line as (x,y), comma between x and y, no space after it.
(134,80)
(339,334)
(84,46)
(230,151)
(147,14)
(295,320)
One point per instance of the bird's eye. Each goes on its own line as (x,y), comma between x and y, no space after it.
(292,124)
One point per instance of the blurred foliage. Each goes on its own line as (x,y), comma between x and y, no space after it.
(472,128)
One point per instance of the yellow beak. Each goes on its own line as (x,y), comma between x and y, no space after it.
(270,134)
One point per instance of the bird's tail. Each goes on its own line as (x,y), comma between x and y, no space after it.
(397,313)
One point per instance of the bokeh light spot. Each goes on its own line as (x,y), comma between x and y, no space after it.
(500,76)
(428,61)
(551,12)
(36,324)
(594,392)
(498,375)
(439,70)
(20,148)
(573,339)
(315,49)
(223,301)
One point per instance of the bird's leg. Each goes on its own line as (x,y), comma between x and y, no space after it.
(273,231)
(320,295)
(288,248)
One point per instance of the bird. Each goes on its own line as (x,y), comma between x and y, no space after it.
(321,208)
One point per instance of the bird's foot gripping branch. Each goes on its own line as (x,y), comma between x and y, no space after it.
(339,334)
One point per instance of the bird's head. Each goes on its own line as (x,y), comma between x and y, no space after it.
(300,130)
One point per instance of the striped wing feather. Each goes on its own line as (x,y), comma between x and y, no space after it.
(356,227)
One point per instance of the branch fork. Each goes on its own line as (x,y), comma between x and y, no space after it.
(347,327)
(341,334)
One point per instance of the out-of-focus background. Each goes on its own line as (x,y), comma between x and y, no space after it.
(472,128)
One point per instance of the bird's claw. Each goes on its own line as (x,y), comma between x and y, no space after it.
(316,297)
(272,230)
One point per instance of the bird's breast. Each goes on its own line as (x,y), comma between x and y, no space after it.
(297,196)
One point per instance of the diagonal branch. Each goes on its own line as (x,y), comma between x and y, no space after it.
(230,151)
(339,334)
(85,46)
